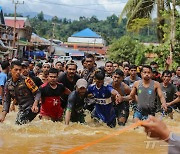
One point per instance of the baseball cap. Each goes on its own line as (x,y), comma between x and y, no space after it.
(46,63)
(71,62)
(81,83)
(25,64)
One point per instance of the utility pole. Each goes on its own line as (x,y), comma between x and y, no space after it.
(14,30)
(173,28)
(51,49)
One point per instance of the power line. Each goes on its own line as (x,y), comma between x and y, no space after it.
(74,6)
(110,3)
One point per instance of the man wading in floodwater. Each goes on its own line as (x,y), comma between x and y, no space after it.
(146,90)
(23,91)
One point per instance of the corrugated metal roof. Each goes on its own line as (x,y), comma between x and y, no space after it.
(86,33)
(19,23)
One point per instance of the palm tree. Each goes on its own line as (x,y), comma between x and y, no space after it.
(143,9)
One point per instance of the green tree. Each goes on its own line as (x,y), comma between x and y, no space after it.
(126,49)
(143,9)
(40,16)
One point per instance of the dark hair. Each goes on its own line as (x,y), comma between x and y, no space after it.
(99,75)
(127,65)
(16,62)
(153,63)
(101,68)
(39,71)
(39,65)
(177,67)
(82,61)
(173,71)
(132,67)
(108,62)
(118,72)
(53,70)
(4,64)
(116,63)
(90,56)
(146,66)
(167,72)
(58,62)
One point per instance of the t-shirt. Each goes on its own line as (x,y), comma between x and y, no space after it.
(68,84)
(3,79)
(103,92)
(176,81)
(51,102)
(168,92)
(103,105)
(75,104)
(130,82)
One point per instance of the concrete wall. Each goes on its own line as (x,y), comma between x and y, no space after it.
(86,40)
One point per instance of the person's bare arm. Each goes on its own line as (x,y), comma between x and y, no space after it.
(67,91)
(118,97)
(67,116)
(134,90)
(177,100)
(127,91)
(161,96)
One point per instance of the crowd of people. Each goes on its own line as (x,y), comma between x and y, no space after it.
(60,92)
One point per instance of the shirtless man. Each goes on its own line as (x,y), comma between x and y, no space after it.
(122,109)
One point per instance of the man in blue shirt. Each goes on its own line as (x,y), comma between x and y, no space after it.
(3,79)
(103,110)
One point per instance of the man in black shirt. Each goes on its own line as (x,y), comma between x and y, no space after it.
(75,104)
(69,78)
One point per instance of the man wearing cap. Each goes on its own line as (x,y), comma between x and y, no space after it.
(69,77)
(74,111)
(45,68)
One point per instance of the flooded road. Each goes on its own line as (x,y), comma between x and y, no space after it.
(49,137)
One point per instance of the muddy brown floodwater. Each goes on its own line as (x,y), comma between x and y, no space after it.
(49,137)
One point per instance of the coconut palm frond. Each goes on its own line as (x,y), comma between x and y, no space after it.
(127,9)
(143,10)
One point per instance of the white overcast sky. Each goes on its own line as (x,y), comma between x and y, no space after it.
(71,9)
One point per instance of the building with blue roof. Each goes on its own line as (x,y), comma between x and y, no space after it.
(88,41)
(86,33)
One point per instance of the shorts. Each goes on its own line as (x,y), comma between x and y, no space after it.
(122,110)
(141,116)
(24,117)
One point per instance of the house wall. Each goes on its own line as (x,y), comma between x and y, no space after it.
(86,40)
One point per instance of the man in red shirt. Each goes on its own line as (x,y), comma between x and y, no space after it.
(51,92)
